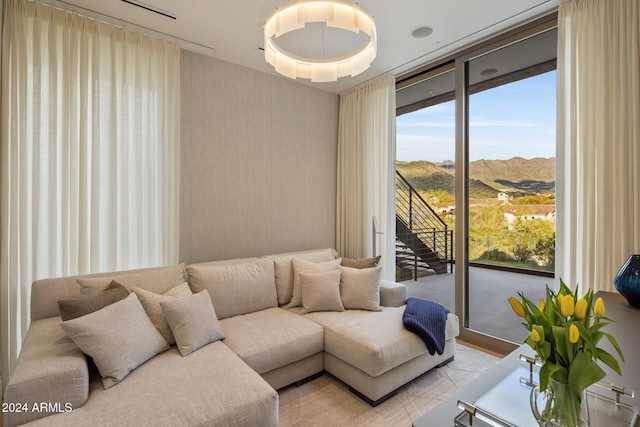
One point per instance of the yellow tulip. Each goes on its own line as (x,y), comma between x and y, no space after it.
(541,305)
(516,306)
(535,336)
(598,308)
(581,308)
(537,333)
(574,334)
(567,305)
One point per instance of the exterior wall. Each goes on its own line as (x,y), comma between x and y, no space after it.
(258,162)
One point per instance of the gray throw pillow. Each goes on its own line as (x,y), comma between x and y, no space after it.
(193,321)
(119,338)
(151,303)
(77,307)
(360,288)
(361,263)
(321,291)
(158,280)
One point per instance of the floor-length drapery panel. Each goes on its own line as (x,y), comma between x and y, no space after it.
(366,168)
(598,149)
(90,154)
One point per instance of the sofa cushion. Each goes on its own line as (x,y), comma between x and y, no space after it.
(158,280)
(213,387)
(304,266)
(284,269)
(77,307)
(151,303)
(373,342)
(45,293)
(193,321)
(361,263)
(272,338)
(236,289)
(119,338)
(360,288)
(51,368)
(321,291)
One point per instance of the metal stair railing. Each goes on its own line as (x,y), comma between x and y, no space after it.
(421,234)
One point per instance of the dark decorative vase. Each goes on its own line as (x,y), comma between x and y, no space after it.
(627,281)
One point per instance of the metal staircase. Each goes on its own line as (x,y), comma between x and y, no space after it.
(424,244)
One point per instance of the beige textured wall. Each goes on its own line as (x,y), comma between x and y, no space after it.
(258,159)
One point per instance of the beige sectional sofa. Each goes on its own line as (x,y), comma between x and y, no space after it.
(267,345)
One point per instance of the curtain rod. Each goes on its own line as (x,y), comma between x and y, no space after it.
(187,44)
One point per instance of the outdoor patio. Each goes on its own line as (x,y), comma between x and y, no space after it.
(489,291)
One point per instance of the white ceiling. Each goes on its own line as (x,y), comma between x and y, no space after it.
(231,30)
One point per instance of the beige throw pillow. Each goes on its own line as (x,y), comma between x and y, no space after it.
(304,266)
(193,321)
(321,291)
(151,303)
(284,269)
(360,288)
(119,338)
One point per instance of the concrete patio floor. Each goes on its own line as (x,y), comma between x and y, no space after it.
(489,291)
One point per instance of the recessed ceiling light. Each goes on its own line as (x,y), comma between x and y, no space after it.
(488,72)
(422,32)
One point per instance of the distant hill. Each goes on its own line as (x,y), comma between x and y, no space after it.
(519,176)
(516,173)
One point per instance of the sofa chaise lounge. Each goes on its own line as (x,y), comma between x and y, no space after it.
(269,343)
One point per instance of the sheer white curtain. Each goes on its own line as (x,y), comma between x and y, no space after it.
(90,154)
(366,171)
(598,150)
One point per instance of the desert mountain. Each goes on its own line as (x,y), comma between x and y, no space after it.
(487,177)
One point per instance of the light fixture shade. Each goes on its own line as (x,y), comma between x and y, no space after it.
(341,14)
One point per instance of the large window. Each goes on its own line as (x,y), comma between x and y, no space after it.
(476,142)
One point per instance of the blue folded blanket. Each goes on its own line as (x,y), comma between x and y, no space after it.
(428,320)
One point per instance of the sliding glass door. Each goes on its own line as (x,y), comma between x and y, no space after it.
(476,145)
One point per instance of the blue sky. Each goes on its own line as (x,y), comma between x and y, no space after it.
(513,120)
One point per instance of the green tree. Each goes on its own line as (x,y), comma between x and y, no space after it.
(487,228)
(535,199)
(546,250)
(532,240)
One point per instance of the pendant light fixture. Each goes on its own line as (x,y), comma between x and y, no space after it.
(342,14)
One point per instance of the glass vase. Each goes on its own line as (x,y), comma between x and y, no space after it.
(557,406)
(627,281)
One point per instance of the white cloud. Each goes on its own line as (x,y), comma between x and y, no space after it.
(493,123)
(428,124)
